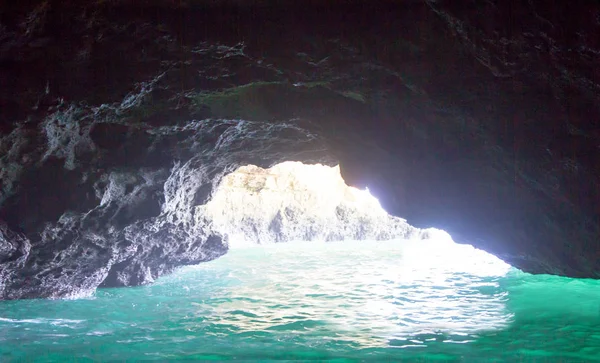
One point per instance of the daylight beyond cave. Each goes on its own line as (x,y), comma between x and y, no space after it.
(292,201)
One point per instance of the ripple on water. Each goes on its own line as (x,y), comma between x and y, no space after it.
(338,301)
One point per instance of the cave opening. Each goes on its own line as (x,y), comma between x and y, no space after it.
(296,202)
(123,126)
(307,252)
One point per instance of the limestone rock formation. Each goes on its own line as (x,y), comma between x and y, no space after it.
(296,202)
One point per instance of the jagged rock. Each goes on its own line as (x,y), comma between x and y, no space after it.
(296,202)
(14,251)
(119,119)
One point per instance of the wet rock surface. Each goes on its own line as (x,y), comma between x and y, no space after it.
(118,119)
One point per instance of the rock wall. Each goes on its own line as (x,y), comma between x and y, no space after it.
(119,118)
(126,213)
(296,202)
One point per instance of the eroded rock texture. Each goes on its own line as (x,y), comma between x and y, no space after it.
(292,201)
(117,120)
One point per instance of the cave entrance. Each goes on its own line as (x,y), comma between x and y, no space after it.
(296,202)
(346,264)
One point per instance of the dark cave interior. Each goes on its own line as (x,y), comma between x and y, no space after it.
(118,118)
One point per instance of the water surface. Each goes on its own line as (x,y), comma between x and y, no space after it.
(345,301)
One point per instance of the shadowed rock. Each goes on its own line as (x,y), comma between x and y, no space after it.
(120,119)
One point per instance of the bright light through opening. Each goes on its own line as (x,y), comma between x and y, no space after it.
(292,201)
(346,262)
(441,252)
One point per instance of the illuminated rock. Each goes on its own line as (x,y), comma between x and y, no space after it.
(296,202)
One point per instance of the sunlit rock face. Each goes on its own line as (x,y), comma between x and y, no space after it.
(118,119)
(296,202)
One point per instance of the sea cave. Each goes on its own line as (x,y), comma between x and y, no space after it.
(299,180)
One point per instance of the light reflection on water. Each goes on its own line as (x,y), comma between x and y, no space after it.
(369,293)
(349,301)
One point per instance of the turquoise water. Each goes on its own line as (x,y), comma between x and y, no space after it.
(339,302)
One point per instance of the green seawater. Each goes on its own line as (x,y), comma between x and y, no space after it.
(338,302)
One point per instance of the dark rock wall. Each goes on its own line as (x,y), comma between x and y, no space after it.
(117,118)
